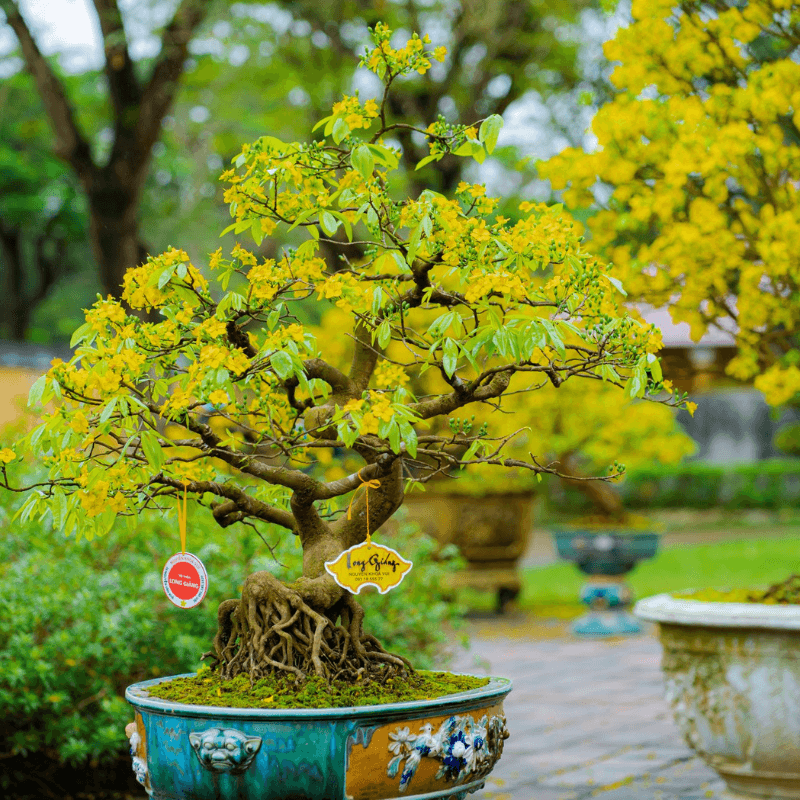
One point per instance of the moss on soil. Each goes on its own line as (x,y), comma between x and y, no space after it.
(783,593)
(282,691)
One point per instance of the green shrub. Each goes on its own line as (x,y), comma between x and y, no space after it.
(696,484)
(79,622)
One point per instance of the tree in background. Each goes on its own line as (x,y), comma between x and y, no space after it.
(492,305)
(138,103)
(280,51)
(42,217)
(700,150)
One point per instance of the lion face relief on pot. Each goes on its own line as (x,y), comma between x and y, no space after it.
(221,750)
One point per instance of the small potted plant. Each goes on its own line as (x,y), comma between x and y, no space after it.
(300,699)
(733,680)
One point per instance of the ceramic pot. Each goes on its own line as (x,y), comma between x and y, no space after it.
(439,748)
(606,557)
(492,533)
(732,676)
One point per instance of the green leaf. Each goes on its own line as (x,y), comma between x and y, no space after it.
(472,450)
(307,248)
(256,232)
(394,437)
(427,160)
(58,507)
(467,148)
(654,365)
(106,413)
(384,334)
(282,364)
(413,244)
(321,123)
(363,161)
(340,130)
(617,283)
(450,357)
(384,155)
(166,275)
(328,223)
(303,218)
(36,392)
(409,437)
(400,261)
(152,450)
(608,373)
(80,334)
(489,131)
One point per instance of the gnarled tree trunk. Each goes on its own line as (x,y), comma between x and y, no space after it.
(310,626)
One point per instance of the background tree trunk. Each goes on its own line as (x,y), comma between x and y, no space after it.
(603,496)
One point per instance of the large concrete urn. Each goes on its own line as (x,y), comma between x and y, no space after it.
(732,673)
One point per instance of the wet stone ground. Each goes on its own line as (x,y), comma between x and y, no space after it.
(587,717)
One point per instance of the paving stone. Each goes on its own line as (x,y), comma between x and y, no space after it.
(587,719)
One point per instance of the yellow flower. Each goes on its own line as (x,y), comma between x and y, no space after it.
(691,408)
(7,455)
(218,397)
(439,53)
(79,423)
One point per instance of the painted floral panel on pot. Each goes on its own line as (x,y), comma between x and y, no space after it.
(452,753)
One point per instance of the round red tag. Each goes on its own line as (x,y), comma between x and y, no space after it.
(185,580)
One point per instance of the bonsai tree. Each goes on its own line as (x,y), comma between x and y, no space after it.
(491,307)
(698,153)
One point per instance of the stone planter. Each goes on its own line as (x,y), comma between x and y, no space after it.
(492,533)
(605,556)
(440,748)
(732,673)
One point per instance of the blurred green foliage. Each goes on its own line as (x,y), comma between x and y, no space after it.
(768,484)
(79,622)
(42,220)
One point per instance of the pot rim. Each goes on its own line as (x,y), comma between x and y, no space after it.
(705,613)
(585,530)
(496,689)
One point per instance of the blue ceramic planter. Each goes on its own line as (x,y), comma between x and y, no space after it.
(440,748)
(605,557)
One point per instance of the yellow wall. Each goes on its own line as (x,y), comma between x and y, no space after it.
(15,383)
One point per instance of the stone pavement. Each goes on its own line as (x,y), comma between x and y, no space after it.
(587,717)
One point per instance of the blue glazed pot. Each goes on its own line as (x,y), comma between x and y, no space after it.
(607,553)
(440,748)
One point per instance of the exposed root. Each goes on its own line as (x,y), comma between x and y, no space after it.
(273,628)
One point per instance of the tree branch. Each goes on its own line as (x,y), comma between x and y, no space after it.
(365,357)
(70,144)
(123,86)
(160,91)
(241,504)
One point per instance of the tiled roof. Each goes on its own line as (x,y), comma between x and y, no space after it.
(676,334)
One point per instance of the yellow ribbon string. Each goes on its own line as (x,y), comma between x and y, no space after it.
(371,484)
(182,518)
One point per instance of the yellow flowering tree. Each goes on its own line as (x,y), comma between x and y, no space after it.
(701,149)
(231,398)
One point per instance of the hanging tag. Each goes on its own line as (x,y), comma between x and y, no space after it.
(368,564)
(184,578)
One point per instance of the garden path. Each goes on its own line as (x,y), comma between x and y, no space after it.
(587,717)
